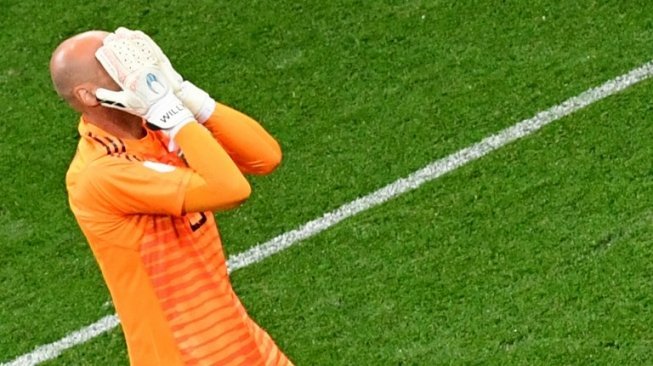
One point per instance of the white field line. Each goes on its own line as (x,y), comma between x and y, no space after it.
(430,172)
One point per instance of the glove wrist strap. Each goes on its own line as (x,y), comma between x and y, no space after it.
(168,112)
(197,100)
(207,109)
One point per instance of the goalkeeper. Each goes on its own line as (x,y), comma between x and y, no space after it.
(157,155)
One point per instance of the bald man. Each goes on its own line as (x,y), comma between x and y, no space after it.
(146,212)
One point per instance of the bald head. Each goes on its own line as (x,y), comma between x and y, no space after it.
(75,71)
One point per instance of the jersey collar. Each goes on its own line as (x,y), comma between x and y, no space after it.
(152,146)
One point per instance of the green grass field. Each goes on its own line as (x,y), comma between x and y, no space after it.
(538,254)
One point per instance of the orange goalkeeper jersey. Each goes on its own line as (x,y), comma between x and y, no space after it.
(165,270)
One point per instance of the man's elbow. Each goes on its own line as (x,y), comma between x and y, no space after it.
(219,195)
(229,195)
(271,163)
(240,191)
(266,164)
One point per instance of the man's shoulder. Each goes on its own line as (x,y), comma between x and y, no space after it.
(85,172)
(84,165)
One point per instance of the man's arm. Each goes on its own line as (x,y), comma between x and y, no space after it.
(150,88)
(217,183)
(212,181)
(249,145)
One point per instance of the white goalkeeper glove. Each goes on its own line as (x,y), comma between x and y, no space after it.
(146,91)
(197,100)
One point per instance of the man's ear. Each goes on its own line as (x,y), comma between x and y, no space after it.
(85,95)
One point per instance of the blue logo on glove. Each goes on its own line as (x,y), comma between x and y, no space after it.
(153,83)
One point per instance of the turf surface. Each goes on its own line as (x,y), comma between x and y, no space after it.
(536,254)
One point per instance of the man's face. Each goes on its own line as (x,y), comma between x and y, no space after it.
(103,80)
